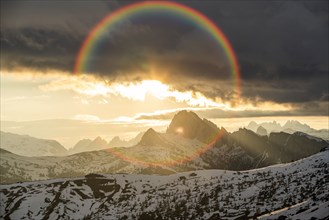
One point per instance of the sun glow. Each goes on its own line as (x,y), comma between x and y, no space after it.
(90,89)
(137,91)
(141,91)
(155,88)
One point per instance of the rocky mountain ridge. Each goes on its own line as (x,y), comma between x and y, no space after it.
(26,145)
(171,152)
(291,126)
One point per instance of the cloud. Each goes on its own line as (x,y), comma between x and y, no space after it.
(282,45)
(91,87)
(86,117)
(264,110)
(137,91)
(282,48)
(19,98)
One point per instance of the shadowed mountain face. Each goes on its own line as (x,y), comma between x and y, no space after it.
(150,138)
(245,149)
(189,125)
(278,147)
(197,144)
(297,145)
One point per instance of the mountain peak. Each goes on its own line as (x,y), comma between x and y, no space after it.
(189,125)
(89,145)
(261,131)
(99,142)
(82,143)
(116,138)
(252,126)
(252,123)
(151,138)
(98,138)
(293,122)
(185,123)
(116,141)
(296,125)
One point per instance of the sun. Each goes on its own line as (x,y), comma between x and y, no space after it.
(139,90)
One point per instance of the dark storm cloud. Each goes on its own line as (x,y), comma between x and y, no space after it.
(282,46)
(37,48)
(141,47)
(304,109)
(169,48)
(288,91)
(46,35)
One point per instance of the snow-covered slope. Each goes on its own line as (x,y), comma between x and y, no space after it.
(29,146)
(138,159)
(297,190)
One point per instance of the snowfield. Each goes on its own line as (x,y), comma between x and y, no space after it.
(297,190)
(25,145)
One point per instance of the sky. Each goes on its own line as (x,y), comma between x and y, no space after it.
(148,67)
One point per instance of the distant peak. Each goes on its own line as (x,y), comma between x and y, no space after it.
(294,121)
(81,144)
(296,125)
(116,138)
(252,123)
(150,132)
(99,141)
(151,137)
(245,130)
(84,141)
(252,126)
(261,131)
(115,142)
(98,138)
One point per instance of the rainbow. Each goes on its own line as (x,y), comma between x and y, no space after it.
(173,8)
(142,7)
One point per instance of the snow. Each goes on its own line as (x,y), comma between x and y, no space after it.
(298,190)
(29,146)
(303,210)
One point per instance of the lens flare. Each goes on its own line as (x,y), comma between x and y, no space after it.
(172,8)
(176,10)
